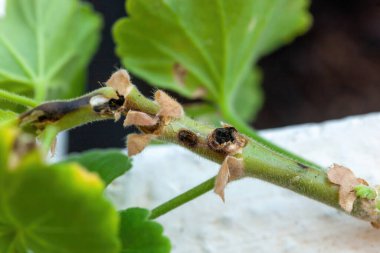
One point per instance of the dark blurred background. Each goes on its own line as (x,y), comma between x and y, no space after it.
(331,72)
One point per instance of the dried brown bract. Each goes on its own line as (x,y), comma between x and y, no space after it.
(226,140)
(139,119)
(120,81)
(232,168)
(169,107)
(137,142)
(362,181)
(346,179)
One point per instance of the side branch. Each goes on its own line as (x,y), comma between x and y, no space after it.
(183,198)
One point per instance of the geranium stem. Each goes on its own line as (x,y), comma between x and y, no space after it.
(258,157)
(182,198)
(244,128)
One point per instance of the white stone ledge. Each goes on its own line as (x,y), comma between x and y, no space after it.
(257,216)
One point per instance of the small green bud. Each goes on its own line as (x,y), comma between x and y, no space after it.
(365,192)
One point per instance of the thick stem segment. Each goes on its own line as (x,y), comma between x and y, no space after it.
(259,160)
(67,114)
(247,130)
(256,158)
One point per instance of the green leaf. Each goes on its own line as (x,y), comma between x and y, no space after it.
(249,97)
(45,47)
(6,115)
(7,137)
(203,112)
(52,208)
(140,235)
(207,48)
(107,163)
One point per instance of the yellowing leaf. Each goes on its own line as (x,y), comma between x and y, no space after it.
(52,208)
(6,115)
(107,163)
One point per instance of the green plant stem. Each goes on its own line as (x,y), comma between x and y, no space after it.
(17,99)
(70,113)
(259,159)
(262,162)
(183,198)
(244,128)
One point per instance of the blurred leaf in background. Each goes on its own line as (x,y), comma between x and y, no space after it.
(6,115)
(51,208)
(138,234)
(208,49)
(45,47)
(107,163)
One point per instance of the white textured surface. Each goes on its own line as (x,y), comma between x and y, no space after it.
(257,216)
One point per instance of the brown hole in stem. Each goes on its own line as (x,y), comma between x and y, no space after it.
(224,134)
(187,138)
(226,140)
(111,106)
(115,104)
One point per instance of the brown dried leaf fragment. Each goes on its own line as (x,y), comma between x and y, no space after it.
(362,181)
(339,174)
(222,179)
(137,142)
(139,119)
(169,107)
(232,168)
(347,199)
(120,81)
(346,179)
